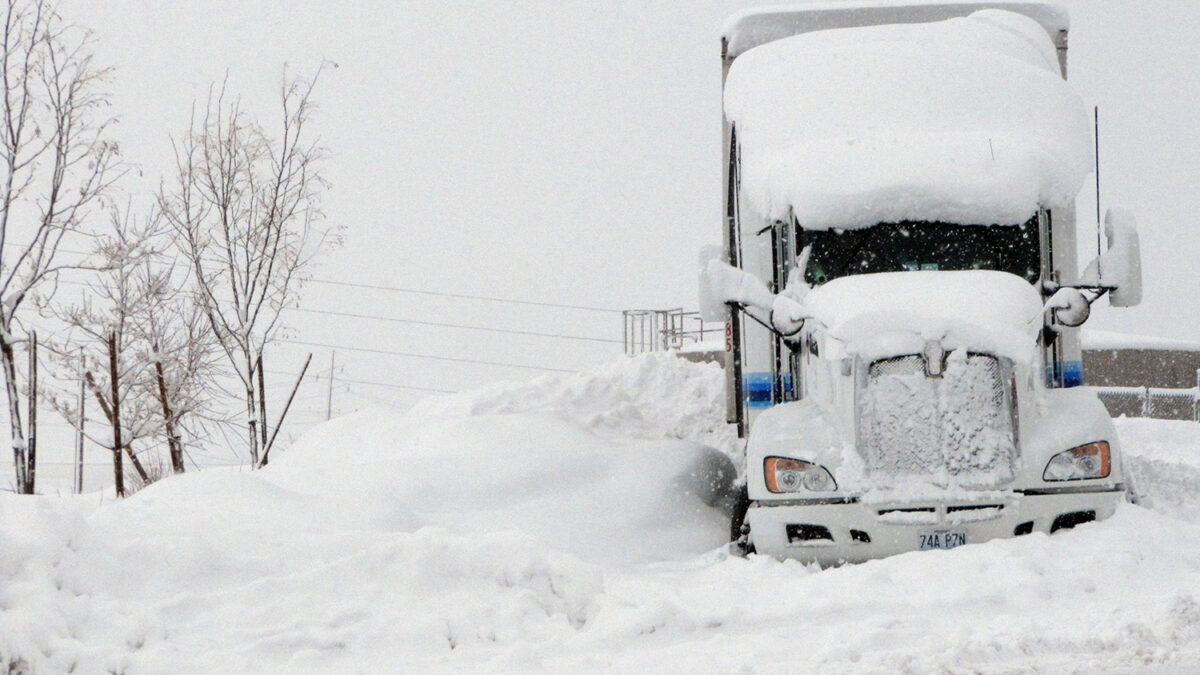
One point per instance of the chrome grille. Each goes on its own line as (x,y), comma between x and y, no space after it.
(953,428)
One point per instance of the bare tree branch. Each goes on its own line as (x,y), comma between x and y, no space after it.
(57,163)
(245,211)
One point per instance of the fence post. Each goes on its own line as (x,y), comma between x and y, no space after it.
(1147,408)
(625,330)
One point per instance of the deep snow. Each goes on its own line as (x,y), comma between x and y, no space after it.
(965,121)
(541,526)
(978,308)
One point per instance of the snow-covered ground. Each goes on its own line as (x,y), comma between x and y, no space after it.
(552,526)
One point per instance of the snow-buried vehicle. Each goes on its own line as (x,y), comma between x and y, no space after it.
(899,280)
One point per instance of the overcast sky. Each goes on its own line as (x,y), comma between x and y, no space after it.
(569,152)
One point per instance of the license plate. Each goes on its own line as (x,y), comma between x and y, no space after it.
(942,539)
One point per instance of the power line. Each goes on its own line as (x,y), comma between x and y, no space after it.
(398,386)
(423,356)
(452,325)
(373,399)
(397,289)
(73,282)
(368,382)
(392,353)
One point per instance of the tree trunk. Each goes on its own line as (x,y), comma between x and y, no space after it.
(115,417)
(14,408)
(108,415)
(253,425)
(172,440)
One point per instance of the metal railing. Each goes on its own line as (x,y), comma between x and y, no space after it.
(653,330)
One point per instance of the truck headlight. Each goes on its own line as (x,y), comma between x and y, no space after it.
(1086,461)
(793,475)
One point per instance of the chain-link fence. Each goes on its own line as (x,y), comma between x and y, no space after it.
(1156,402)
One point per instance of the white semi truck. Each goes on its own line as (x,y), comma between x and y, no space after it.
(899,279)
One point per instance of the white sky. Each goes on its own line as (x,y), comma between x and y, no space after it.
(569,152)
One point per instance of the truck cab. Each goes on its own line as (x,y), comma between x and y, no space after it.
(899,280)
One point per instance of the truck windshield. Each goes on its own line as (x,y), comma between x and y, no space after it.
(908,246)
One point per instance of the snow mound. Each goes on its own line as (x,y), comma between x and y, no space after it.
(600,499)
(1163,478)
(961,121)
(525,542)
(140,588)
(649,396)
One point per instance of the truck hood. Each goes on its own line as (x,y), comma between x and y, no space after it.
(877,315)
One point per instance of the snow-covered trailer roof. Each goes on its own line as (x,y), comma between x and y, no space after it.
(964,120)
(750,28)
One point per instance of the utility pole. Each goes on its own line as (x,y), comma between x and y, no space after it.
(329,395)
(31,476)
(262,402)
(79,430)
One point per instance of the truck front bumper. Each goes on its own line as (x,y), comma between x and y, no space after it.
(831,532)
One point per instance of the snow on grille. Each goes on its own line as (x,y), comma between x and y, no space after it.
(956,428)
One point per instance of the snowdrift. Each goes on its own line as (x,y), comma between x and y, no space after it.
(542,539)
(602,500)
(653,396)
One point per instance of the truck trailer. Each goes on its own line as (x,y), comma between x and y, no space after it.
(899,283)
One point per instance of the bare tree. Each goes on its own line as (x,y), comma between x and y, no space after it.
(184,357)
(104,323)
(150,359)
(244,206)
(57,164)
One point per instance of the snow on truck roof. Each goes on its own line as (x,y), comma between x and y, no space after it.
(965,120)
(753,27)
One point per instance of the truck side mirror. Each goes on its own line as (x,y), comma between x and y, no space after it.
(1120,267)
(712,307)
(722,283)
(1069,307)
